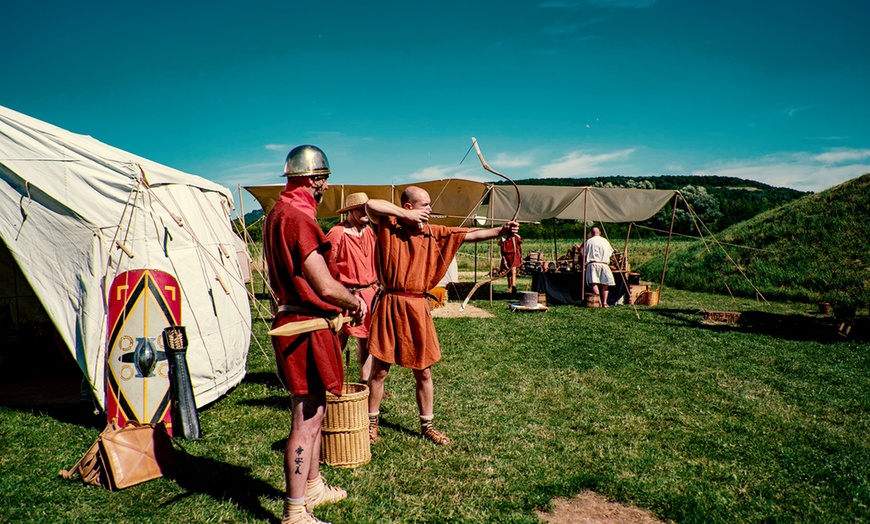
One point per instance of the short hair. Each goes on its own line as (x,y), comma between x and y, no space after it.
(409,194)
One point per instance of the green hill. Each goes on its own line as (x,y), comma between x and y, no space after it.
(814,248)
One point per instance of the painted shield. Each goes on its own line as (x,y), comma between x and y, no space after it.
(142,304)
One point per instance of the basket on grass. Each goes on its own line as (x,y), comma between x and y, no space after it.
(345,428)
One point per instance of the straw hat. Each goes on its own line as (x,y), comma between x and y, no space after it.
(353,201)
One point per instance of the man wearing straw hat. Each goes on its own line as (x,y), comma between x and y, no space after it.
(411,257)
(353,251)
(303,279)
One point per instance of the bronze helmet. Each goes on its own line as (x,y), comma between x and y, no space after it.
(306,161)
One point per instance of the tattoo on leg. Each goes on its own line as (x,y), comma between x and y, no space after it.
(298,460)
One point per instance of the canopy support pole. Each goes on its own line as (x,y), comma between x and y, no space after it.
(585,207)
(555,248)
(668,248)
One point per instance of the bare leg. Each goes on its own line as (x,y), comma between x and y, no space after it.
(300,461)
(365,361)
(377,377)
(425,391)
(603,292)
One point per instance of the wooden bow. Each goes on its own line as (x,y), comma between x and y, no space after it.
(514,219)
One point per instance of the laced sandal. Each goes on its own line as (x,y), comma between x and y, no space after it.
(434,436)
(322,493)
(300,516)
(373,434)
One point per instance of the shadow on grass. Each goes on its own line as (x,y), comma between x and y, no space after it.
(264,378)
(802,328)
(227,482)
(279,402)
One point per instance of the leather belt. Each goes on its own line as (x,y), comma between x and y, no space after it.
(407,294)
(354,289)
(299,310)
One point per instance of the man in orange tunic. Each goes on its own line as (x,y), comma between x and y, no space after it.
(411,257)
(353,251)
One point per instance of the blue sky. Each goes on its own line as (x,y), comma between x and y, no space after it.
(774,91)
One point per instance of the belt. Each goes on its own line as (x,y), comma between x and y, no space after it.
(597,262)
(300,310)
(406,294)
(359,287)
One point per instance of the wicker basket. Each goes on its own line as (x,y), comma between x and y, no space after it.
(345,428)
(648,298)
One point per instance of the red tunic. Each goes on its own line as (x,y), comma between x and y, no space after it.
(409,260)
(354,256)
(311,362)
(511,252)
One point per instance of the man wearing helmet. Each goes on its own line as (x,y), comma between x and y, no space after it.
(411,257)
(303,279)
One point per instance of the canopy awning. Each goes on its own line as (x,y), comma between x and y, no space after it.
(455,198)
(611,205)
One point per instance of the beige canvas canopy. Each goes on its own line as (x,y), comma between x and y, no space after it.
(611,205)
(456,199)
(460,200)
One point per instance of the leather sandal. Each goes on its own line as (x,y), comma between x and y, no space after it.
(434,436)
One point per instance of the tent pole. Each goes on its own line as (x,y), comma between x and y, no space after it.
(555,249)
(583,243)
(625,250)
(668,248)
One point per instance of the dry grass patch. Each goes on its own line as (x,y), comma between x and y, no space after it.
(591,508)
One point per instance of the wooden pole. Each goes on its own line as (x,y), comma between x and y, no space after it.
(583,242)
(668,248)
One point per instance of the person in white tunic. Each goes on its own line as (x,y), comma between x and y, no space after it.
(597,252)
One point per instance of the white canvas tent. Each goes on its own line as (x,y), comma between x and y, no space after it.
(77,212)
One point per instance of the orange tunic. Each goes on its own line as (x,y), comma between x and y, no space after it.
(354,255)
(409,261)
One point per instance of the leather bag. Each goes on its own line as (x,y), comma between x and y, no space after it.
(124,457)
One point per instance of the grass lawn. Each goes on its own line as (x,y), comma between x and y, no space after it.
(765,421)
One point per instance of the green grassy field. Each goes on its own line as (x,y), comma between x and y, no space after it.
(764,421)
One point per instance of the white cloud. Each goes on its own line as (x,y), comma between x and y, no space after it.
(504,160)
(446,171)
(803,171)
(838,156)
(581,164)
(278,147)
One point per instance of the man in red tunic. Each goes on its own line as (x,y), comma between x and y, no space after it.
(411,257)
(305,287)
(353,251)
(511,258)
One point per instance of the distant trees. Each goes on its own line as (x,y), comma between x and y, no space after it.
(702,204)
(699,200)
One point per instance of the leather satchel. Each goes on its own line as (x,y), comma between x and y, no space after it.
(124,457)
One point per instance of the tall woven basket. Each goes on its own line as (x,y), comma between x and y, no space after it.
(345,427)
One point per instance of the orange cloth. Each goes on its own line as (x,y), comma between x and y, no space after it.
(354,255)
(409,260)
(439,295)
